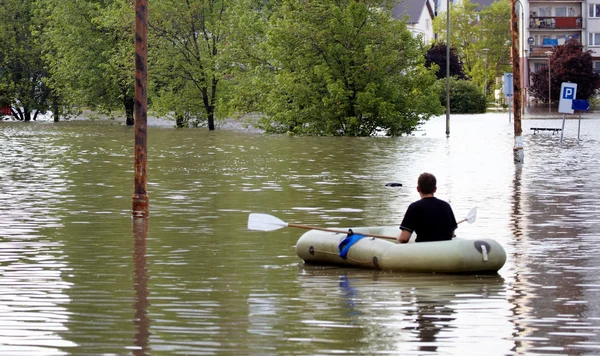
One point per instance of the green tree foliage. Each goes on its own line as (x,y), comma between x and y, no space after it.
(437,55)
(254,69)
(193,56)
(465,97)
(569,63)
(90,51)
(22,71)
(471,31)
(345,68)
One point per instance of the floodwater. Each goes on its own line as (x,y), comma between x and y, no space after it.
(79,278)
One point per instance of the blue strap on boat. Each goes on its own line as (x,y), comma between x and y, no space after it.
(345,245)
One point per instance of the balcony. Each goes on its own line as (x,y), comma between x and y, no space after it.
(539,51)
(555,23)
(556,1)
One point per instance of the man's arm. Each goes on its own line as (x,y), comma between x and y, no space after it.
(404,236)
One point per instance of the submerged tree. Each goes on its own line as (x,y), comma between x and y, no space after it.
(22,72)
(89,50)
(345,68)
(465,97)
(569,63)
(437,55)
(192,60)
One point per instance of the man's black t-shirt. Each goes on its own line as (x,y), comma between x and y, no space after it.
(431,218)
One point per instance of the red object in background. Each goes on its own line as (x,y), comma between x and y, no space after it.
(5,111)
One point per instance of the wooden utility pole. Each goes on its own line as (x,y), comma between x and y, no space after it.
(518,151)
(448,69)
(140,197)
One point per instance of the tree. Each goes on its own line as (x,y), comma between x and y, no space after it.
(465,97)
(192,61)
(22,72)
(89,50)
(471,31)
(345,68)
(569,63)
(437,55)
(495,37)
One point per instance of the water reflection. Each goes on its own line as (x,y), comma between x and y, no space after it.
(404,313)
(140,284)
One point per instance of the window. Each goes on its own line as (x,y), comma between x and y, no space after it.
(594,10)
(538,66)
(544,11)
(594,39)
(597,67)
(560,11)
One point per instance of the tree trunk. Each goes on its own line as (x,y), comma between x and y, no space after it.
(55,110)
(211,119)
(129,102)
(180,120)
(208,102)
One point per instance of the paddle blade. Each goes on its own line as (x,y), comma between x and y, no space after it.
(472,215)
(264,222)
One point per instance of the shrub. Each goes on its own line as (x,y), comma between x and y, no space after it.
(465,97)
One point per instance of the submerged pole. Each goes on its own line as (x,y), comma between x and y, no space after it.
(140,197)
(518,151)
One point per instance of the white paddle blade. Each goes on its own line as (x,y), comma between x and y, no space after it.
(472,215)
(264,222)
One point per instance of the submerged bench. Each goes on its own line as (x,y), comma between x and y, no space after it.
(536,129)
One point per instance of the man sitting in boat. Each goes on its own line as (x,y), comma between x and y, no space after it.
(430,218)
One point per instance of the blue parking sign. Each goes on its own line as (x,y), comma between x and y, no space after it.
(567,95)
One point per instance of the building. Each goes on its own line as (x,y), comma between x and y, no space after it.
(544,24)
(419,17)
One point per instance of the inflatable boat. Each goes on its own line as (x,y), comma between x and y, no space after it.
(454,256)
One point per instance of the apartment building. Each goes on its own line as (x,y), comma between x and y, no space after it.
(545,24)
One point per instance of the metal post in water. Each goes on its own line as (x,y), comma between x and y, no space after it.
(140,197)
(562,131)
(518,151)
(579,127)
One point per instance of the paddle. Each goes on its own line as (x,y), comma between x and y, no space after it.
(470,216)
(266,222)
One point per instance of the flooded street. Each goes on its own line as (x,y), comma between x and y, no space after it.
(77,278)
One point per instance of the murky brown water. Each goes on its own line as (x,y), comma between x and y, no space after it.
(78,278)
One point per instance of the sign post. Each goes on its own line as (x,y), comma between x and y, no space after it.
(507,81)
(581,105)
(565,105)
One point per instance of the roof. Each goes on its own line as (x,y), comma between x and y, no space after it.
(412,8)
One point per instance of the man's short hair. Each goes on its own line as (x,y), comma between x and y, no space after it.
(427,183)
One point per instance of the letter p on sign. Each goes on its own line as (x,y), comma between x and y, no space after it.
(567,95)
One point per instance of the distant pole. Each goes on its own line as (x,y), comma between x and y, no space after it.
(140,197)
(518,151)
(549,54)
(485,52)
(448,69)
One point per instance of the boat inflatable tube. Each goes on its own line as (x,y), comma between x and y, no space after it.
(454,256)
